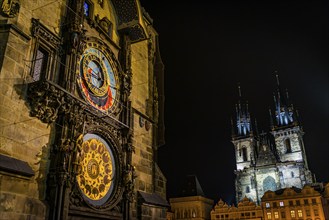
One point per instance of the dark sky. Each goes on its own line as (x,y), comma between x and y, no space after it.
(207,49)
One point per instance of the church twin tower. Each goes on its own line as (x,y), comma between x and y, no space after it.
(269,161)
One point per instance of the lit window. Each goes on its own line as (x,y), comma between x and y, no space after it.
(276,214)
(86,8)
(292,213)
(281,203)
(269,215)
(300,213)
(267,205)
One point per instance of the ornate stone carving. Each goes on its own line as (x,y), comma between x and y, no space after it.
(48,101)
(40,31)
(10,8)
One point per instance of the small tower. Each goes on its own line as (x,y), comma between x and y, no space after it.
(288,137)
(287,133)
(242,135)
(245,150)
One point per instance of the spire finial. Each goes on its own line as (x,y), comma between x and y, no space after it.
(239,88)
(277,77)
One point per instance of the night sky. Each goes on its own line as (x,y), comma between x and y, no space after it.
(211,46)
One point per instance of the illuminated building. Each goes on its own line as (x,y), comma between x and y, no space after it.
(269,161)
(192,203)
(309,203)
(246,209)
(81,111)
(295,203)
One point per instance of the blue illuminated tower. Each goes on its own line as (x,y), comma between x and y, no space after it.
(288,136)
(245,148)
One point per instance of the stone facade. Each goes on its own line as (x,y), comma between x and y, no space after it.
(49,107)
(269,161)
(191,203)
(191,207)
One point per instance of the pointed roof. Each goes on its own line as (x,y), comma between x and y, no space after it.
(192,187)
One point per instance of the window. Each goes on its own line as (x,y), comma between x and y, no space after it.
(86,8)
(274,205)
(253,213)
(291,203)
(276,214)
(281,203)
(46,45)
(297,202)
(244,154)
(247,189)
(269,184)
(314,201)
(193,214)
(308,213)
(283,215)
(316,212)
(269,215)
(287,144)
(292,214)
(306,201)
(292,174)
(267,205)
(40,64)
(300,213)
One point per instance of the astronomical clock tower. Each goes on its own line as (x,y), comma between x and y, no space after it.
(269,160)
(81,111)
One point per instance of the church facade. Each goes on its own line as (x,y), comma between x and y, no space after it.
(81,111)
(272,160)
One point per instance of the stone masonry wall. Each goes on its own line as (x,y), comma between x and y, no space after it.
(21,136)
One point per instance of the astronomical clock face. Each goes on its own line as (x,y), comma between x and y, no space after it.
(97,169)
(98,77)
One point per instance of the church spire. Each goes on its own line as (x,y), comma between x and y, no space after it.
(243,123)
(284,111)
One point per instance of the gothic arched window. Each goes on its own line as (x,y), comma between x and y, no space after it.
(269,184)
(244,154)
(287,144)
